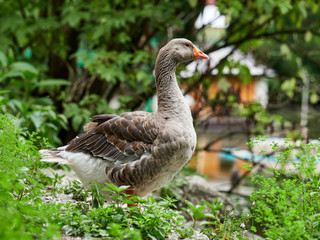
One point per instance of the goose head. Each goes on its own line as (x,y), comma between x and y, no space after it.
(183,50)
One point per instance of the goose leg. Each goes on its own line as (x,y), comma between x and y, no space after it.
(131,193)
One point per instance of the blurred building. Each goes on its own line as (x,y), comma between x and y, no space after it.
(221,132)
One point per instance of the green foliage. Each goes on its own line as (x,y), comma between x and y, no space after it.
(82,53)
(21,81)
(146,218)
(257,116)
(22,213)
(77,191)
(289,30)
(195,211)
(149,220)
(216,224)
(185,232)
(98,52)
(289,86)
(265,17)
(282,57)
(25,215)
(286,205)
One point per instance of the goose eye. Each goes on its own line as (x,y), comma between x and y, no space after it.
(188,44)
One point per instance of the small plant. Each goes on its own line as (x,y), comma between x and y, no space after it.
(54,182)
(234,224)
(185,232)
(97,198)
(286,206)
(216,225)
(77,190)
(215,207)
(23,215)
(195,212)
(150,220)
(23,82)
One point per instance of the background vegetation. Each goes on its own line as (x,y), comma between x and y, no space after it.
(63,61)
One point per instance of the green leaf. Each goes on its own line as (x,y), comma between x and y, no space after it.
(223,84)
(193,3)
(302,9)
(285,50)
(77,120)
(37,119)
(204,223)
(3,60)
(308,36)
(284,6)
(244,74)
(53,82)
(314,98)
(197,210)
(122,188)
(12,74)
(288,86)
(112,188)
(24,67)
(209,215)
(253,229)
(152,237)
(5,91)
(74,17)
(37,201)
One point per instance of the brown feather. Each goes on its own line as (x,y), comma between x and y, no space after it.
(123,138)
(90,126)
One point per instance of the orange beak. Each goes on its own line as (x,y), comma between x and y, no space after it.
(197,54)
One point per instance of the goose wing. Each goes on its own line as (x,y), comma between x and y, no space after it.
(118,138)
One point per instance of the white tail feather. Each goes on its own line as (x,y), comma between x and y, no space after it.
(50,156)
(57,160)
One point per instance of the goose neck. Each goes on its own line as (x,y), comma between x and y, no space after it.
(171,103)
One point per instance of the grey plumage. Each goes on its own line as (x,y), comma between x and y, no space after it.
(139,149)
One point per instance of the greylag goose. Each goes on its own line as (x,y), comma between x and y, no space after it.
(138,149)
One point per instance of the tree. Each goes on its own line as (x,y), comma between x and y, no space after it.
(277,33)
(106,49)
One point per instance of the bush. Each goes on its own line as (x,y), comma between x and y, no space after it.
(23,84)
(148,220)
(22,213)
(284,206)
(287,205)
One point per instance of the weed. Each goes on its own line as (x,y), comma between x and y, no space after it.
(286,206)
(77,190)
(185,232)
(23,215)
(154,220)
